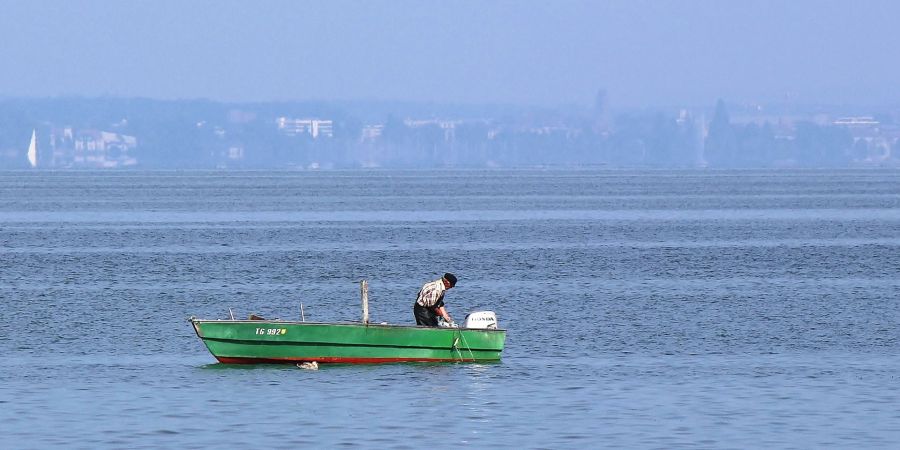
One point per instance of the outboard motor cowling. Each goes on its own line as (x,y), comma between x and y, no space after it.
(481,320)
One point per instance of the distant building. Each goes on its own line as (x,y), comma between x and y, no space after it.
(312,127)
(226,157)
(91,149)
(448,126)
(862,121)
(62,143)
(871,143)
(103,149)
(236,153)
(371,132)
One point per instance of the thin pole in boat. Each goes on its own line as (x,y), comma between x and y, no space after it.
(364,293)
(302,316)
(231,313)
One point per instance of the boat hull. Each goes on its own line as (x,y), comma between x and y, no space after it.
(265,341)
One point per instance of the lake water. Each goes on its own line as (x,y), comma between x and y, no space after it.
(645,309)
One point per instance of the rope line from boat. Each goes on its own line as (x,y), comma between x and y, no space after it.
(466,344)
(471,355)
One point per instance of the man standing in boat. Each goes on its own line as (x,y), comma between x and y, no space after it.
(430,301)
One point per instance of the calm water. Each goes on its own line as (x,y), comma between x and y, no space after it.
(657,309)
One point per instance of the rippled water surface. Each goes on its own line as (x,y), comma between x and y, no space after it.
(645,309)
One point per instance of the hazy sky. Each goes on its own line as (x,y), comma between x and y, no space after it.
(643,53)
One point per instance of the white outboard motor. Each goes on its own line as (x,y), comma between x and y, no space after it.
(481,320)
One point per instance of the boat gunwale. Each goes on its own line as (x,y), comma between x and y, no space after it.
(351,324)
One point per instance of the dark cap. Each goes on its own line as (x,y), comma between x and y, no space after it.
(451,278)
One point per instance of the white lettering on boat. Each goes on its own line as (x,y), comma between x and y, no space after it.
(271,331)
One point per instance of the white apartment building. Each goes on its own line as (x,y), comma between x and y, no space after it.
(312,127)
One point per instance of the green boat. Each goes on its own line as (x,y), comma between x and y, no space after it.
(256,340)
(275,341)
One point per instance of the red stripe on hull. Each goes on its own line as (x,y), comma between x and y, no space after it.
(335,360)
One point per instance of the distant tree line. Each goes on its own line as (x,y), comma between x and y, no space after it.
(205,134)
(753,145)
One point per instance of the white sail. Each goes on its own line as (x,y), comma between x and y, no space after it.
(32,149)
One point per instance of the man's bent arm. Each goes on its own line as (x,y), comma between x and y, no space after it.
(443,313)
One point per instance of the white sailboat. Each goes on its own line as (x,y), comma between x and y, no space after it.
(32,149)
